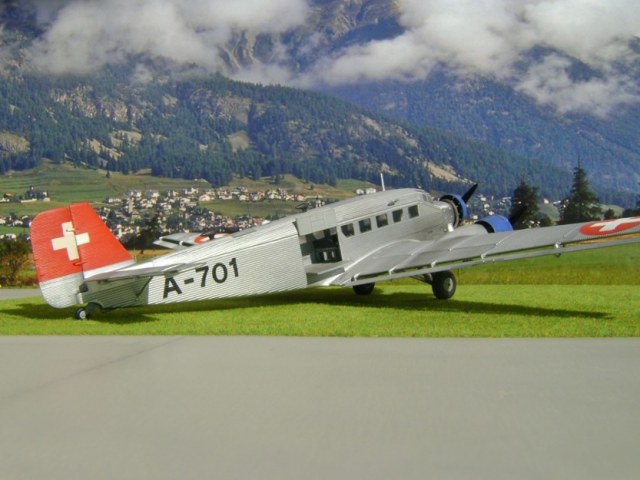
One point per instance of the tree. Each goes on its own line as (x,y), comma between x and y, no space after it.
(14,256)
(525,196)
(582,205)
(631,212)
(149,233)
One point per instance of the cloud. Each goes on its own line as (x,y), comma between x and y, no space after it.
(494,37)
(84,35)
(491,38)
(594,31)
(550,83)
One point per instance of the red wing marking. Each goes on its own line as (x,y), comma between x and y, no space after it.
(610,227)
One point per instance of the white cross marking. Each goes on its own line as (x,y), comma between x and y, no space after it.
(70,241)
(614,224)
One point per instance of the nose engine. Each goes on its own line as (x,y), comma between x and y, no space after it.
(459,204)
(444,282)
(458,207)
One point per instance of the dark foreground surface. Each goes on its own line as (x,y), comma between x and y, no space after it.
(291,408)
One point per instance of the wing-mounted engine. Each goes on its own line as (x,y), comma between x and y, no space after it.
(495,224)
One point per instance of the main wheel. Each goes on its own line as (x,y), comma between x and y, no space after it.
(444,285)
(81,314)
(364,289)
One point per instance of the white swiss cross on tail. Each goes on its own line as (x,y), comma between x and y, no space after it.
(610,227)
(70,241)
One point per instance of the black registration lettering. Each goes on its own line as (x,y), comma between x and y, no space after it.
(205,271)
(233,263)
(170,285)
(220,273)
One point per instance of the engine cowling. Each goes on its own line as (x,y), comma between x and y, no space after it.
(459,207)
(495,224)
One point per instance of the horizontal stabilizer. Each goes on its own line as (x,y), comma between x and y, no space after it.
(142,270)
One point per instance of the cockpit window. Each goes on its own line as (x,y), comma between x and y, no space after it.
(397,216)
(413,211)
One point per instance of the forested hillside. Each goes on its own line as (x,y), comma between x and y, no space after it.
(213,127)
(497,115)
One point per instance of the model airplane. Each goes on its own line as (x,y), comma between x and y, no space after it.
(351,243)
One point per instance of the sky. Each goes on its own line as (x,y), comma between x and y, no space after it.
(473,37)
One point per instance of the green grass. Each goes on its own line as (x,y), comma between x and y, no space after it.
(13,230)
(234,208)
(587,294)
(608,266)
(66,184)
(407,310)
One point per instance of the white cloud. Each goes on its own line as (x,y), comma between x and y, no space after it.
(399,58)
(593,31)
(86,35)
(475,37)
(549,83)
(492,37)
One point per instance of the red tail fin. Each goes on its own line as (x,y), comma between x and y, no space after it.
(67,243)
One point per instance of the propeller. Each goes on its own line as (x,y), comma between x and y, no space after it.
(469,193)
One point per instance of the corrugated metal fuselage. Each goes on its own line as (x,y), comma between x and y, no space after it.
(305,250)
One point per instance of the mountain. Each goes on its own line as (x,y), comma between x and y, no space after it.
(214,127)
(556,105)
(494,114)
(104,94)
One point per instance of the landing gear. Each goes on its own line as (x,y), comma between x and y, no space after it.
(84,313)
(443,285)
(364,289)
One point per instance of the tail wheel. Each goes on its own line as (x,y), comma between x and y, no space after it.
(444,285)
(84,313)
(364,289)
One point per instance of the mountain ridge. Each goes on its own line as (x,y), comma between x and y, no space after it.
(214,127)
(507,135)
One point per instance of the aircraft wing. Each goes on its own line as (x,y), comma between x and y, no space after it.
(179,241)
(472,245)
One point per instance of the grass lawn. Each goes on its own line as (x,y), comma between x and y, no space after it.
(393,310)
(586,294)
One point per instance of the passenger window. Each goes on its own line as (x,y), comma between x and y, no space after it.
(382,220)
(413,211)
(397,216)
(365,225)
(348,230)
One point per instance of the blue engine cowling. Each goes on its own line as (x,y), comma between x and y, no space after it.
(460,206)
(496,224)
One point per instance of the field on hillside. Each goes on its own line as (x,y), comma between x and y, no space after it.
(66,184)
(587,294)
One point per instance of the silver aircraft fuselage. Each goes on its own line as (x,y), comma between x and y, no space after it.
(304,250)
